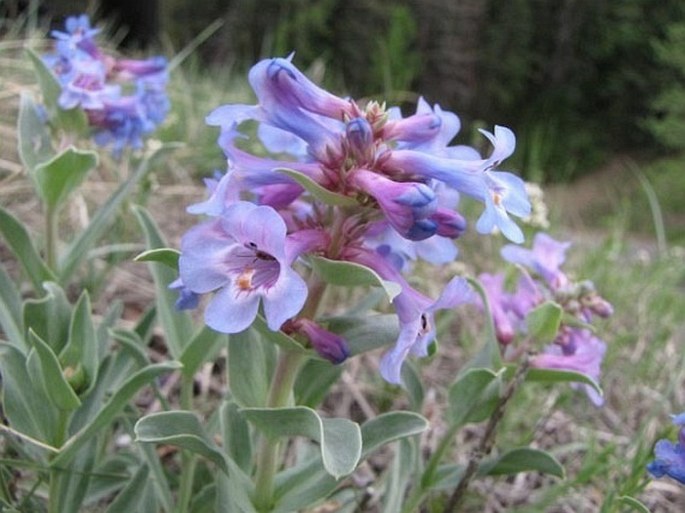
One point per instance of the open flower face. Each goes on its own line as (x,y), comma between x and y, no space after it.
(241,255)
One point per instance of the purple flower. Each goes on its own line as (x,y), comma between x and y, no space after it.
(414,310)
(330,346)
(406,205)
(242,255)
(96,83)
(545,258)
(576,350)
(187,299)
(670,457)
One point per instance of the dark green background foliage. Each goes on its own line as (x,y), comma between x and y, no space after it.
(576,79)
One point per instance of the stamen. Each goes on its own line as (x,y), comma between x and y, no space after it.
(244,280)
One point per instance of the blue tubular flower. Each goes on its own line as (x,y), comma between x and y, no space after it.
(670,457)
(429,130)
(406,205)
(502,192)
(187,299)
(242,256)
(277,82)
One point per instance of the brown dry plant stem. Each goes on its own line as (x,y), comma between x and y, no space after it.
(488,441)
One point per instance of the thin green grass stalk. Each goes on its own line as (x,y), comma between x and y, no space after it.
(194,44)
(654,206)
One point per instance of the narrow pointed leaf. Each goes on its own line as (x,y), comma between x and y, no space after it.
(81,349)
(21,244)
(10,312)
(314,382)
(35,144)
(543,322)
(58,388)
(251,362)
(201,348)
(633,503)
(130,497)
(339,439)
(58,177)
(523,459)
(180,429)
(166,256)
(23,399)
(236,435)
(389,427)
(320,193)
(49,317)
(350,274)
(557,376)
(112,408)
(489,355)
(177,325)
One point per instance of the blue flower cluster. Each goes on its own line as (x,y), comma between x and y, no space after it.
(124,99)
(670,457)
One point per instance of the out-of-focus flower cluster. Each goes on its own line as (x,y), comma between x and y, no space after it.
(124,99)
(670,457)
(346,181)
(575,348)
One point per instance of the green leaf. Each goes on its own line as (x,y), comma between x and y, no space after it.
(389,427)
(10,311)
(72,120)
(279,338)
(365,333)
(180,429)
(58,388)
(523,459)
(489,355)
(129,499)
(474,396)
(23,399)
(178,327)
(80,246)
(411,382)
(19,241)
(350,274)
(111,409)
(35,144)
(339,439)
(49,317)
(633,503)
(81,349)
(236,435)
(314,382)
(251,363)
(58,177)
(166,256)
(558,376)
(132,344)
(400,475)
(299,487)
(201,348)
(317,191)
(543,321)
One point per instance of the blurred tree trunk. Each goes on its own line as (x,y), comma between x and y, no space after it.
(449,41)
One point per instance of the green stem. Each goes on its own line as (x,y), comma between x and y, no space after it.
(289,364)
(51,237)
(56,474)
(188,459)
